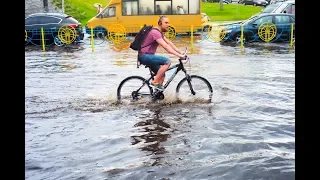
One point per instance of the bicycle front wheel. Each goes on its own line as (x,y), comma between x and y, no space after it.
(132,89)
(194,89)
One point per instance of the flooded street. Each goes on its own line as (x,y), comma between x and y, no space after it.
(74,128)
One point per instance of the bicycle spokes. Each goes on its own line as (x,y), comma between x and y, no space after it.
(133,89)
(194,89)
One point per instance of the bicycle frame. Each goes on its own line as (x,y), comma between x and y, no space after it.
(178,67)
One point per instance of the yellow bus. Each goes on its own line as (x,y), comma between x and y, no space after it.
(128,16)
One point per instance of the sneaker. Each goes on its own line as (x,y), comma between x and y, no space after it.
(157,86)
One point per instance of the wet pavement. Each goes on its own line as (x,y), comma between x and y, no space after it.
(74,128)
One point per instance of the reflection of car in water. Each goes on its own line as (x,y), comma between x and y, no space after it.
(51,23)
(273,27)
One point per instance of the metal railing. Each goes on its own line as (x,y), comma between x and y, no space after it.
(118,34)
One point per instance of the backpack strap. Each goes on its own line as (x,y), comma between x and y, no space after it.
(138,61)
(151,42)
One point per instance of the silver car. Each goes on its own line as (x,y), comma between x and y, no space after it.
(282,7)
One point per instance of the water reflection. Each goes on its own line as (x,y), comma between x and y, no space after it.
(153,132)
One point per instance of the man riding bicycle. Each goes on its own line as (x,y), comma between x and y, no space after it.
(158,64)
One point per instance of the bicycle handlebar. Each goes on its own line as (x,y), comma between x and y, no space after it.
(185,51)
(185,54)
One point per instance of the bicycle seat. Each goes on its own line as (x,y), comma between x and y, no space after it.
(146,66)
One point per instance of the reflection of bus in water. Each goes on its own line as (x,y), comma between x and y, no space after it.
(133,14)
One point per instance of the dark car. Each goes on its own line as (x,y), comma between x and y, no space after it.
(51,24)
(276,1)
(217,1)
(254,2)
(268,27)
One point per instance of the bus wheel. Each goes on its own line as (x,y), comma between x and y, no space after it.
(171,34)
(100,32)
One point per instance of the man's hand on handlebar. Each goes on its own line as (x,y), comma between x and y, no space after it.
(184,58)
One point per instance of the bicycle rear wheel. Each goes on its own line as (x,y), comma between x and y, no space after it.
(132,89)
(194,89)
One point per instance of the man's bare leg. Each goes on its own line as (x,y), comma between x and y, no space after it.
(159,78)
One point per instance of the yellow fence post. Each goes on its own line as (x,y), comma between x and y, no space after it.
(92,41)
(192,48)
(291,39)
(241,37)
(42,38)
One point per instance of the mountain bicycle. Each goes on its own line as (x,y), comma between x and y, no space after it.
(137,88)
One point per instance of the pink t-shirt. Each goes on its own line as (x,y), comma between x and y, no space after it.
(152,36)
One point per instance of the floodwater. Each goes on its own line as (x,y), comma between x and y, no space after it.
(74,129)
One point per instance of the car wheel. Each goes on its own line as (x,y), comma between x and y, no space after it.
(171,34)
(238,38)
(57,41)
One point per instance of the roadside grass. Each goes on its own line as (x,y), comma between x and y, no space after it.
(230,12)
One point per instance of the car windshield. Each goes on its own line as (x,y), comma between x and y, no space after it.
(270,8)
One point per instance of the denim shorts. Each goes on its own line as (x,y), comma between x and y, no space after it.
(154,61)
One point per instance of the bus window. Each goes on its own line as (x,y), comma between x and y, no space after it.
(109,12)
(183,4)
(146,7)
(194,7)
(162,7)
(130,7)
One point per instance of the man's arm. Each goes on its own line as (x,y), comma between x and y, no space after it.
(171,44)
(168,48)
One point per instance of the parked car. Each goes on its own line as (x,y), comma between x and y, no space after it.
(254,2)
(278,31)
(51,23)
(205,20)
(269,8)
(282,7)
(217,1)
(276,1)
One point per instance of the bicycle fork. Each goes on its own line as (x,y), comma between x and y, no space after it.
(190,85)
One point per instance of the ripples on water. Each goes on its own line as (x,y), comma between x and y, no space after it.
(75,129)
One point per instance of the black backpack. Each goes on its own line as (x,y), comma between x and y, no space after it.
(138,40)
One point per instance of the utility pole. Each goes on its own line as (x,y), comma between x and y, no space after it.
(237,11)
(62,3)
(45,5)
